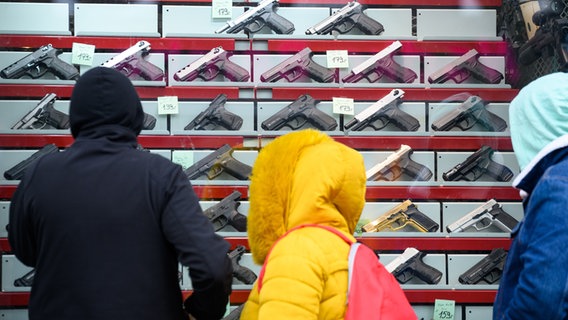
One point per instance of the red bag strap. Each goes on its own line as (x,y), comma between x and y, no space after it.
(328,228)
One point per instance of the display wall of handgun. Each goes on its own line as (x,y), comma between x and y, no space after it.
(473,110)
(410,264)
(484,216)
(477,165)
(44,116)
(217,162)
(225,213)
(235,314)
(345,19)
(26,280)
(254,19)
(551,37)
(209,66)
(216,117)
(488,269)
(398,163)
(382,64)
(402,215)
(17,172)
(383,112)
(296,66)
(464,67)
(132,62)
(38,63)
(243,274)
(300,112)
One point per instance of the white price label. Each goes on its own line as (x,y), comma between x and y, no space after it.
(343,106)
(168,105)
(222,9)
(82,54)
(337,59)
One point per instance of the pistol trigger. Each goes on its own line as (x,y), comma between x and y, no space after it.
(380,120)
(374,76)
(461,76)
(37,72)
(254,26)
(209,74)
(345,26)
(482,224)
(466,124)
(214,172)
(299,123)
(294,75)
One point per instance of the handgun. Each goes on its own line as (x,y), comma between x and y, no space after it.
(409,264)
(345,19)
(488,214)
(382,64)
(298,113)
(386,110)
(17,172)
(400,216)
(26,280)
(208,66)
(44,116)
(225,213)
(299,65)
(473,110)
(132,63)
(218,161)
(243,274)
(478,164)
(38,63)
(216,117)
(235,314)
(253,20)
(149,122)
(397,163)
(489,269)
(466,66)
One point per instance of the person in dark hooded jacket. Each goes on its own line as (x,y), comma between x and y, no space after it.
(105,225)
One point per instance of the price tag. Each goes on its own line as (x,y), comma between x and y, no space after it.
(337,59)
(222,9)
(168,105)
(183,158)
(82,54)
(444,309)
(343,106)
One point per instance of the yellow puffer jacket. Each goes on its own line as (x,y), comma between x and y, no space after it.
(303,177)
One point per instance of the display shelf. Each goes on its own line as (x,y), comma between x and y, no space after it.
(410,94)
(399,3)
(408,46)
(8,91)
(21,299)
(117,43)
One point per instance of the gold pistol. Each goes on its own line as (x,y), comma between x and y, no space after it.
(399,217)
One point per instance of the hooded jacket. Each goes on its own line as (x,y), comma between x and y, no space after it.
(303,177)
(534,283)
(105,224)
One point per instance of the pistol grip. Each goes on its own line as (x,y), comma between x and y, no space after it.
(369,25)
(234,72)
(149,71)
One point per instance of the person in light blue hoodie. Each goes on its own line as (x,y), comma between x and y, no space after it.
(534,284)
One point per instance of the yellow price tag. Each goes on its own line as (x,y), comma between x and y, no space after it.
(444,309)
(343,106)
(337,59)
(222,9)
(168,105)
(82,54)
(183,158)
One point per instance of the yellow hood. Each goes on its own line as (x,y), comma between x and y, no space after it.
(303,177)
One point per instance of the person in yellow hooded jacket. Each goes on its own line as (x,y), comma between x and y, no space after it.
(303,177)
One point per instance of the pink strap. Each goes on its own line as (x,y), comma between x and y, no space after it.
(328,228)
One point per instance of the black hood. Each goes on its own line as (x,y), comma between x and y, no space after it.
(101,97)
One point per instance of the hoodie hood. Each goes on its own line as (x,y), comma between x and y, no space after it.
(303,177)
(538,115)
(102,97)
